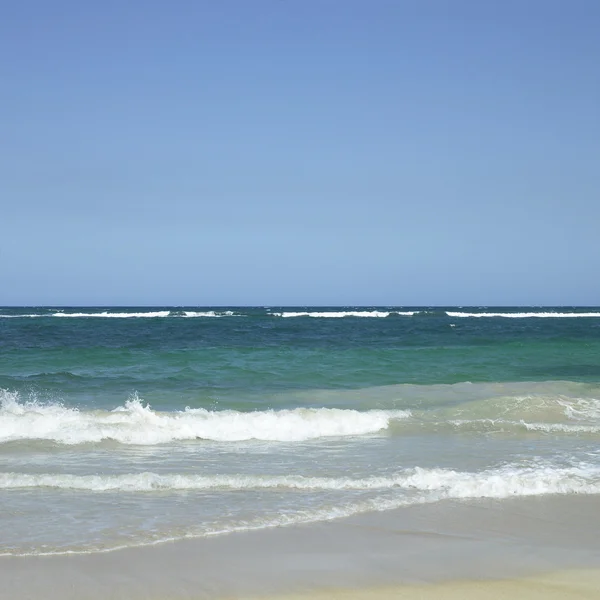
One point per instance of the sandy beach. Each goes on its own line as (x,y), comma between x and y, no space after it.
(563,585)
(526,548)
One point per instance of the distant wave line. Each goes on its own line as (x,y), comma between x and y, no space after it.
(319,314)
(127,315)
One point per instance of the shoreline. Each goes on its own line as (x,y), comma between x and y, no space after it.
(416,550)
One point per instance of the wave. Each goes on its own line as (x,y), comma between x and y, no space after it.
(116,315)
(549,401)
(405,488)
(135,423)
(346,313)
(124,315)
(432,313)
(324,314)
(502,425)
(547,407)
(524,315)
(507,481)
(560,427)
(209,313)
(81,315)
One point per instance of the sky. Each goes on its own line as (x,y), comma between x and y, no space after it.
(300,152)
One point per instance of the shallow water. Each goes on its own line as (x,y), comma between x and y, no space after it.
(124,427)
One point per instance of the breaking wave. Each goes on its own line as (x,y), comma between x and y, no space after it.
(524,315)
(357,312)
(494,483)
(155,314)
(114,315)
(136,423)
(344,313)
(210,313)
(331,314)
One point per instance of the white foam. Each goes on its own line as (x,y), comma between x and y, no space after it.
(494,483)
(500,424)
(524,315)
(561,427)
(125,315)
(209,313)
(581,409)
(346,313)
(135,423)
(424,485)
(314,314)
(113,315)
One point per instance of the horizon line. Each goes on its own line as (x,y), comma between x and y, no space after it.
(299,306)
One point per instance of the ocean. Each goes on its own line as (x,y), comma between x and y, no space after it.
(127,427)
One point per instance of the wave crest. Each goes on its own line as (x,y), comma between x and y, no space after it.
(337,314)
(136,423)
(524,315)
(494,483)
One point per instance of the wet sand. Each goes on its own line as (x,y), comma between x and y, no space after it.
(561,585)
(518,548)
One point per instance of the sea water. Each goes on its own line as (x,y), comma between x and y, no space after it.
(124,427)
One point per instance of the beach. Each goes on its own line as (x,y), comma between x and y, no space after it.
(265,452)
(539,548)
(561,585)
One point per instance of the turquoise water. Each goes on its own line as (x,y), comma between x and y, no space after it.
(233,361)
(128,426)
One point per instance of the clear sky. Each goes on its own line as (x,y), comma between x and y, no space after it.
(300,152)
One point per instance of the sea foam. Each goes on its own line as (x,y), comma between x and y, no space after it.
(115,315)
(524,315)
(503,482)
(344,313)
(209,313)
(154,314)
(136,423)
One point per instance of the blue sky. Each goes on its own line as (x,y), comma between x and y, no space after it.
(292,152)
